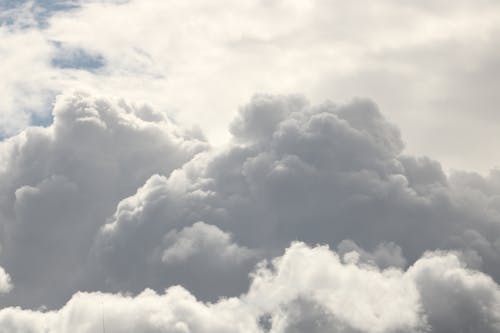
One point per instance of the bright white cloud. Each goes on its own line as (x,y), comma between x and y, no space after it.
(5,282)
(304,290)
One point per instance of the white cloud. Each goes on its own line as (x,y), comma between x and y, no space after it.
(176,311)
(419,61)
(201,239)
(25,84)
(353,298)
(305,289)
(5,282)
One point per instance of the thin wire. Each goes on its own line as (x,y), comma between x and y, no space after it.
(102,317)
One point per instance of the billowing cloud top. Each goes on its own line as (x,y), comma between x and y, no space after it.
(311,219)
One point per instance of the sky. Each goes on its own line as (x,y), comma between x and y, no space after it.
(252,166)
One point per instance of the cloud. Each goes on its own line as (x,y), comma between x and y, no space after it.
(311,289)
(385,254)
(305,289)
(16,109)
(456,298)
(61,182)
(5,282)
(141,245)
(422,70)
(113,201)
(322,174)
(200,239)
(175,311)
(111,196)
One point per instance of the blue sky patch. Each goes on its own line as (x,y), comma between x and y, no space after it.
(42,9)
(76,58)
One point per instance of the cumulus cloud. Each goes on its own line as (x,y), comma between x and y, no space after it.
(141,246)
(115,197)
(114,216)
(174,311)
(58,184)
(455,298)
(320,173)
(307,289)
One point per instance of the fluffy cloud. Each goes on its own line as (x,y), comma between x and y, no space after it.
(176,311)
(385,254)
(304,290)
(5,282)
(455,298)
(198,240)
(321,174)
(200,256)
(58,184)
(113,201)
(110,198)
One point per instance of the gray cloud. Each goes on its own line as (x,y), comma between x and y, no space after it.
(321,174)
(115,214)
(60,183)
(385,255)
(198,240)
(114,197)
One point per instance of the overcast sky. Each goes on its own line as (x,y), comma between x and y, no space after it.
(249,166)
